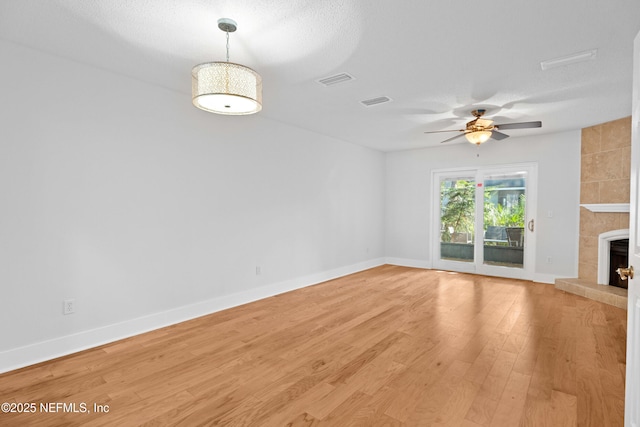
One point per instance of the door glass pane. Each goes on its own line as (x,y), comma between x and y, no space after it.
(504,217)
(457,218)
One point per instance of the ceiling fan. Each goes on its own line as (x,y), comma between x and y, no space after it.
(479,130)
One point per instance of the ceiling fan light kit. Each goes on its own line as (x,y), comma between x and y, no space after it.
(479,130)
(226,87)
(478,137)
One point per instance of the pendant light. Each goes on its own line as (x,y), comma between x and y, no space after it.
(226,87)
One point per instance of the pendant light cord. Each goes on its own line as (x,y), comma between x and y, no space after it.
(227,45)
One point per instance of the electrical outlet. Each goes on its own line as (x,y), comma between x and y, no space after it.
(549,260)
(258,270)
(68,306)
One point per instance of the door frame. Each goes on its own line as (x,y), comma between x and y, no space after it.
(632,389)
(527,271)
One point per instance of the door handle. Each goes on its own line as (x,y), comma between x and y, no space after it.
(530,226)
(625,272)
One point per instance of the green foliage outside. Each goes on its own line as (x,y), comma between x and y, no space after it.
(496,214)
(458,210)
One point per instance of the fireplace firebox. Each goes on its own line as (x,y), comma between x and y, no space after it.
(618,257)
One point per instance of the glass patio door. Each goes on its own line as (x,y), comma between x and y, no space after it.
(457,202)
(484,221)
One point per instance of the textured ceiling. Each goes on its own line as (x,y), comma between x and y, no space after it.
(436,60)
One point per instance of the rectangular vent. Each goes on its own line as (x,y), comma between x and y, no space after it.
(375,101)
(569,59)
(334,80)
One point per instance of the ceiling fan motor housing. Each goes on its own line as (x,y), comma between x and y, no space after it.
(478,112)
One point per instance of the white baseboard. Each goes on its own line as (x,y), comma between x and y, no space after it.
(405,262)
(46,350)
(545,278)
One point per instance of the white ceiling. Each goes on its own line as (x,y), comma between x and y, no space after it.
(436,60)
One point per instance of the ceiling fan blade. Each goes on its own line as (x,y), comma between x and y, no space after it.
(498,136)
(439,131)
(523,125)
(451,139)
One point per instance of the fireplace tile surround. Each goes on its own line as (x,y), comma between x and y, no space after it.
(604,179)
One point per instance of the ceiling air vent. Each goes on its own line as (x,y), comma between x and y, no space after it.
(334,80)
(570,59)
(375,101)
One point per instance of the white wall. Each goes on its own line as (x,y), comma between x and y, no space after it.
(408,197)
(148,211)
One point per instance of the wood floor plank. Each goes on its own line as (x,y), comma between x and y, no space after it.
(589,390)
(486,402)
(390,346)
(485,360)
(347,410)
(302,420)
(428,406)
(542,379)
(564,371)
(511,405)
(411,384)
(376,374)
(269,414)
(558,411)
(455,409)
(372,412)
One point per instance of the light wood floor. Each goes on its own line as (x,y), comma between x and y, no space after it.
(390,346)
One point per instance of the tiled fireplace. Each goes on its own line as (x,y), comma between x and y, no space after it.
(604,206)
(612,253)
